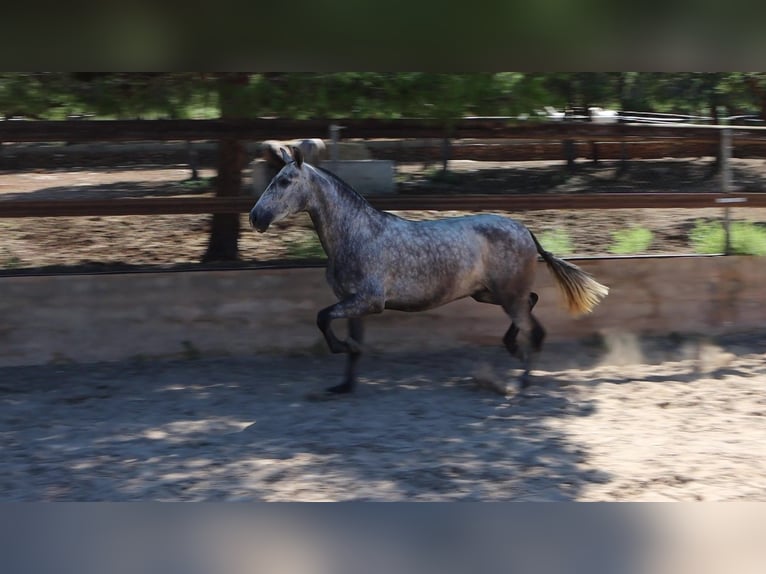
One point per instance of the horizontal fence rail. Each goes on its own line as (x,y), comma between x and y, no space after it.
(613,140)
(473,202)
(260,129)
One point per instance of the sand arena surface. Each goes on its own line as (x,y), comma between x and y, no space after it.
(419,428)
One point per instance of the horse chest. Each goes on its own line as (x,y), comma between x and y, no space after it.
(346,274)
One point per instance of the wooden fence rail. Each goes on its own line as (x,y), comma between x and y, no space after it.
(479,128)
(259,129)
(469,202)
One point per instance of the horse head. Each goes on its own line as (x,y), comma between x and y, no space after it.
(287,192)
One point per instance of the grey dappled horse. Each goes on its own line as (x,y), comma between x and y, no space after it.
(377,261)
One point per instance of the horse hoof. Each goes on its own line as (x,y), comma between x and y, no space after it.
(341,389)
(330,393)
(321,396)
(525,381)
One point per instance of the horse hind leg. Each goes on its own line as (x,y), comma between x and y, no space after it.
(538,333)
(522,336)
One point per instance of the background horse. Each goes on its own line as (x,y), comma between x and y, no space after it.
(264,168)
(377,261)
(313,151)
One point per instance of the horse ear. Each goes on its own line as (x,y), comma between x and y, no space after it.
(272,157)
(297,155)
(285,155)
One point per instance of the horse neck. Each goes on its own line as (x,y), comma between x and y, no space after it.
(339,214)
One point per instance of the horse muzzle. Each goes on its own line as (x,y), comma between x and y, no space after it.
(260,219)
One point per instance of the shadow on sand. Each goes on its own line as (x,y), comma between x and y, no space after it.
(417,429)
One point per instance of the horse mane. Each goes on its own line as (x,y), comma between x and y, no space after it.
(344,186)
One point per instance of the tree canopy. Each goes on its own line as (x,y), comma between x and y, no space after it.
(175,95)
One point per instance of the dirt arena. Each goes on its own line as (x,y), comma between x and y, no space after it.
(616,425)
(421,427)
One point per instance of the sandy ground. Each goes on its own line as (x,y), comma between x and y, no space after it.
(419,428)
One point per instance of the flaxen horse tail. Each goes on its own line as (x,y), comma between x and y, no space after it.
(581,291)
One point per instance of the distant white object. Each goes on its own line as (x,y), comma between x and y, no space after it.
(264,168)
(602,116)
(595,114)
(368,176)
(371,177)
(314,150)
(553,114)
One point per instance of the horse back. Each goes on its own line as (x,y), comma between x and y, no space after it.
(421,265)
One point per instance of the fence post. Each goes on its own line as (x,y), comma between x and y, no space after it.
(446,152)
(569,153)
(224,228)
(726,185)
(334,137)
(193,160)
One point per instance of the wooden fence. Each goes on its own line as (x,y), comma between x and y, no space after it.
(258,129)
(468,202)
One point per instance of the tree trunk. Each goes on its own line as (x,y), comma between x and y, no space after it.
(224,230)
(445,154)
(569,154)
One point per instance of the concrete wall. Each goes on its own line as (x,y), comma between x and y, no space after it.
(367,176)
(111,317)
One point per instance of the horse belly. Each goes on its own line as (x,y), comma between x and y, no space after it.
(413,305)
(422,289)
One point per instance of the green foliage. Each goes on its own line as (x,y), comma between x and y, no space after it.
(10,262)
(8,259)
(631,241)
(145,95)
(583,88)
(708,237)
(440,96)
(201,185)
(307,247)
(557,241)
(436,174)
(747,238)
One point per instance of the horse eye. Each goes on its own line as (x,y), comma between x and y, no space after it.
(283,181)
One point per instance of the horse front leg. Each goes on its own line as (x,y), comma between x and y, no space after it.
(353,308)
(355,341)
